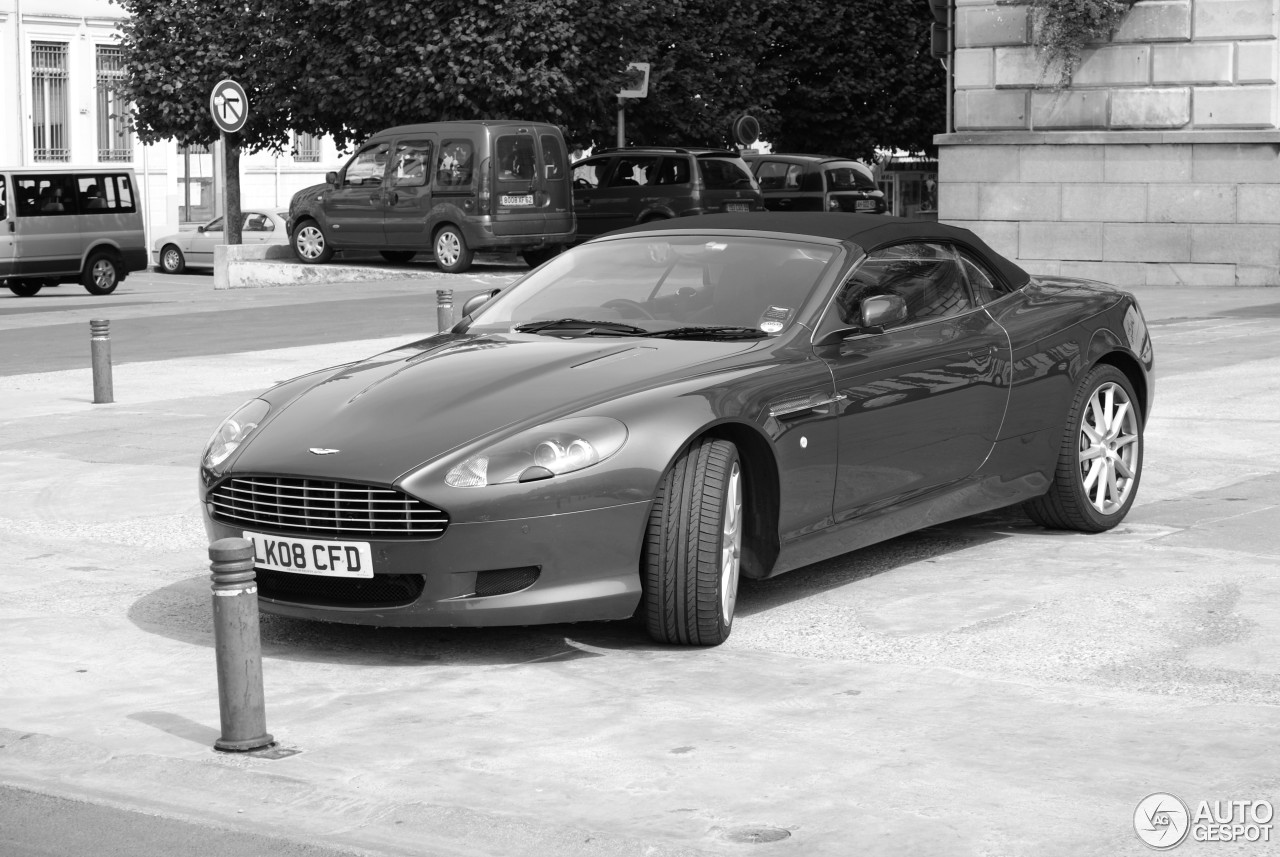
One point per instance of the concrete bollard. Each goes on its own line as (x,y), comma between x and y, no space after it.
(444,309)
(238,647)
(100,357)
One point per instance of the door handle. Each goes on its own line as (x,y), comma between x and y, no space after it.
(979,353)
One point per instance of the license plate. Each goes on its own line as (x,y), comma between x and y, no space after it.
(517,199)
(737,206)
(864,205)
(312,556)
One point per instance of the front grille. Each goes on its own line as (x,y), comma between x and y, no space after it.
(381,590)
(321,507)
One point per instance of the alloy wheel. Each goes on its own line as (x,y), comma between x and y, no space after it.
(1109,448)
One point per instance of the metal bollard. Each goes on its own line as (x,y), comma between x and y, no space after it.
(444,309)
(238,647)
(100,357)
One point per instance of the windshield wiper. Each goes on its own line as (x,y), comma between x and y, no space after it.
(712,331)
(581,327)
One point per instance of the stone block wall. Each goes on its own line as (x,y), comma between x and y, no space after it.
(1158,163)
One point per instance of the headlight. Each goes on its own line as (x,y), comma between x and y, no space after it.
(233,432)
(540,453)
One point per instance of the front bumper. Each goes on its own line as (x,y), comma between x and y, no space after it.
(587,568)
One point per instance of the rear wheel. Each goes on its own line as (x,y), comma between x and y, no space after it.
(398,257)
(453,256)
(310,245)
(171,260)
(534,258)
(1100,462)
(693,547)
(26,288)
(101,275)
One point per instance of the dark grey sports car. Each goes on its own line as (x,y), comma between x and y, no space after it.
(648,416)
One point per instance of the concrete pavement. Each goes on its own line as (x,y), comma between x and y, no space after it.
(983,688)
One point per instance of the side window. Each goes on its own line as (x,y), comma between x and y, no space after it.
(516,159)
(795,173)
(412,160)
(586,174)
(634,171)
(367,167)
(92,197)
(456,164)
(673,170)
(4,199)
(557,166)
(927,277)
(45,196)
(214,225)
(254,222)
(772,175)
(986,288)
(119,190)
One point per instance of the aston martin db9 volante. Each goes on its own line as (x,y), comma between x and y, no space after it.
(642,420)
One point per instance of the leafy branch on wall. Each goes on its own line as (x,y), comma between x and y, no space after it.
(1062,29)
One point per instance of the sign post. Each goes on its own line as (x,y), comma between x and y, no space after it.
(637,87)
(230,108)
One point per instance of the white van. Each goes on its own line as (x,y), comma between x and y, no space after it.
(67,225)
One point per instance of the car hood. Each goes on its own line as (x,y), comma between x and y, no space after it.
(390,414)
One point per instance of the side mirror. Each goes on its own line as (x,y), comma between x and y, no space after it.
(331,177)
(200,228)
(880,311)
(475,302)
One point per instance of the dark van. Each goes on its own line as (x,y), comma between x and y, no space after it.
(448,188)
(64,225)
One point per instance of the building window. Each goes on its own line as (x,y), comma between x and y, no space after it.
(115,139)
(49,101)
(306,148)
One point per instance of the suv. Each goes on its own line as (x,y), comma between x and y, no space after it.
(450,188)
(815,183)
(620,187)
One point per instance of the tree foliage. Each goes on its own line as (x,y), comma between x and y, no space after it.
(839,76)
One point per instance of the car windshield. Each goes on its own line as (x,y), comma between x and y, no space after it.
(660,284)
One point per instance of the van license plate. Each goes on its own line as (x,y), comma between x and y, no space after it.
(517,199)
(864,205)
(737,206)
(312,556)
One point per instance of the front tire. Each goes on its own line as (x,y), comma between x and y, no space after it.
(692,552)
(310,244)
(101,275)
(171,260)
(1100,461)
(453,256)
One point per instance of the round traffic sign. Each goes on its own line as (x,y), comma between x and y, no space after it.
(746,129)
(229,106)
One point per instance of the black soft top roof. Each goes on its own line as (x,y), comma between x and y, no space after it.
(867,231)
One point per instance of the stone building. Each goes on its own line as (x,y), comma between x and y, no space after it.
(58,62)
(1159,163)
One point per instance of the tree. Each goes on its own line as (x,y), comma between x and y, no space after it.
(855,75)
(842,76)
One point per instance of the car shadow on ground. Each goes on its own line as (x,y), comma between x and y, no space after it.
(182,611)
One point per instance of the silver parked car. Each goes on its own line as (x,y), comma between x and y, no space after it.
(178,251)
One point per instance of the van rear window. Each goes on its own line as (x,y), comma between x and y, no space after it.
(724,174)
(4,199)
